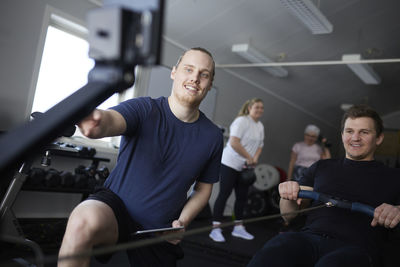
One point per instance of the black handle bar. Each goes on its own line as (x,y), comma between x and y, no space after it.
(353,206)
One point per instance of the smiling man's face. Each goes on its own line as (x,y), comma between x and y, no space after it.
(359,138)
(192,78)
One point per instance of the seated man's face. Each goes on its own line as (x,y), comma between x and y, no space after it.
(359,138)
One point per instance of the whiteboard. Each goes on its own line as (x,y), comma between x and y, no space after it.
(160,84)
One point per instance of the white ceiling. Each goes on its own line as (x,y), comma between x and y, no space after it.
(367,27)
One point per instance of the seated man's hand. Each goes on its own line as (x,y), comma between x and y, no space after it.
(386,215)
(289,190)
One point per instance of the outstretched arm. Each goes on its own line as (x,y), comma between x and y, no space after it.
(102,123)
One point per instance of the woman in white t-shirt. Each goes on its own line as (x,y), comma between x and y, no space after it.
(246,140)
(305,153)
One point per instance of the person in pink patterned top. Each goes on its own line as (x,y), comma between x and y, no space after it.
(306,152)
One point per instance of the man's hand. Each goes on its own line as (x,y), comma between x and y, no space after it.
(386,215)
(102,123)
(90,126)
(177,223)
(289,191)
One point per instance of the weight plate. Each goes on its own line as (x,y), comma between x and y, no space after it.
(267,177)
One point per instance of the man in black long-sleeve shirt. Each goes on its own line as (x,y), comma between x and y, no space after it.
(334,236)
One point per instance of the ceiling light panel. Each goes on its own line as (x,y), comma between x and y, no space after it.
(252,55)
(362,70)
(309,15)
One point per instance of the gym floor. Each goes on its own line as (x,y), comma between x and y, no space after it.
(199,249)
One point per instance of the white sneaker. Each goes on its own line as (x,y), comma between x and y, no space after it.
(216,235)
(240,231)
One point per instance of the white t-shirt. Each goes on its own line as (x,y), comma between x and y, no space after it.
(251,135)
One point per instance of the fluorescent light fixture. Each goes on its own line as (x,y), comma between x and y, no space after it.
(250,54)
(345,106)
(310,15)
(363,71)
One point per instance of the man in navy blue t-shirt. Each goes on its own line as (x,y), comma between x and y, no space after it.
(334,236)
(167,145)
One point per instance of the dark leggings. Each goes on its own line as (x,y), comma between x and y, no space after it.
(303,249)
(229,180)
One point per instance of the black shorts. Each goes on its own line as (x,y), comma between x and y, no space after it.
(126,225)
(160,254)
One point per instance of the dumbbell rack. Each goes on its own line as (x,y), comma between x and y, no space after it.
(10,229)
(64,151)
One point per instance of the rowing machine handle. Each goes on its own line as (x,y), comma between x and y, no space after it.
(355,206)
(308,194)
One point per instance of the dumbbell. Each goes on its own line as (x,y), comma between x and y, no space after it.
(67,179)
(81,181)
(86,151)
(91,171)
(102,174)
(36,176)
(85,177)
(80,169)
(52,178)
(92,182)
(91,151)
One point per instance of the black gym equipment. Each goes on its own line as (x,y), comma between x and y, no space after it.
(52,178)
(36,177)
(10,229)
(67,132)
(264,198)
(132,38)
(247,175)
(256,205)
(102,174)
(67,179)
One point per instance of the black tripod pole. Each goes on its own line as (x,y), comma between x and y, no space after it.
(20,143)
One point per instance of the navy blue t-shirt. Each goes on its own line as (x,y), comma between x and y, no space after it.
(368,182)
(160,157)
